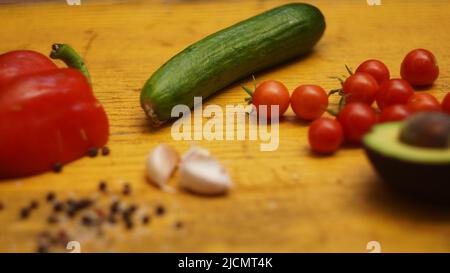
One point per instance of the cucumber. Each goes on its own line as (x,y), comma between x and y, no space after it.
(233,53)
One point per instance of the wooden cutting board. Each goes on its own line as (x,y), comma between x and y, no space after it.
(287,200)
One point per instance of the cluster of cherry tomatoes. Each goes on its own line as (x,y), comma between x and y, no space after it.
(371,82)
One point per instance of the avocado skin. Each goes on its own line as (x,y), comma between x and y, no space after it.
(427,182)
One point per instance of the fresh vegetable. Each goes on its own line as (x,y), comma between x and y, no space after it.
(410,167)
(420,102)
(394,91)
(356,120)
(376,69)
(360,87)
(419,68)
(396,112)
(309,102)
(48,115)
(218,60)
(325,135)
(270,93)
(446,103)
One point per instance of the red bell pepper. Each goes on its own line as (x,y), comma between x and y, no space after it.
(48,115)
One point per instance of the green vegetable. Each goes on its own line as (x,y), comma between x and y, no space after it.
(218,60)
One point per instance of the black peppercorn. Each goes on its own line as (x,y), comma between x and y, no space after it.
(160,210)
(58,206)
(105,151)
(34,204)
(145,219)
(24,213)
(126,189)
(92,152)
(50,197)
(102,186)
(57,167)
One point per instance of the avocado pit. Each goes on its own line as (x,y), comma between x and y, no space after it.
(427,129)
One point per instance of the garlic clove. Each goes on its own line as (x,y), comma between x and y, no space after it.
(195,152)
(160,165)
(204,175)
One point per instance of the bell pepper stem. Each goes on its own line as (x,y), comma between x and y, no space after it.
(70,57)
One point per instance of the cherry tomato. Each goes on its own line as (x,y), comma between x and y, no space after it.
(446,103)
(394,91)
(419,68)
(395,113)
(376,69)
(271,93)
(309,101)
(325,135)
(356,120)
(424,102)
(360,87)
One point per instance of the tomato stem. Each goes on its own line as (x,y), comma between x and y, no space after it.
(342,102)
(337,78)
(334,91)
(248,90)
(254,81)
(70,57)
(349,70)
(332,112)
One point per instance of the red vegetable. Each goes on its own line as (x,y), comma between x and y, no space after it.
(419,68)
(446,103)
(270,93)
(356,120)
(396,112)
(360,87)
(394,91)
(325,135)
(309,102)
(48,115)
(376,69)
(424,102)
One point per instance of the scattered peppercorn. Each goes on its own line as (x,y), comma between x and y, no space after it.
(83,203)
(42,248)
(115,206)
(102,186)
(57,167)
(179,225)
(52,219)
(105,151)
(87,221)
(160,210)
(24,213)
(145,219)
(58,206)
(126,189)
(71,211)
(50,197)
(129,224)
(131,209)
(34,204)
(92,152)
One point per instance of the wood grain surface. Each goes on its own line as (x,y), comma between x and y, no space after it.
(287,200)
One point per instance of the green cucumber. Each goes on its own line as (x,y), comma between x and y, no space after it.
(233,53)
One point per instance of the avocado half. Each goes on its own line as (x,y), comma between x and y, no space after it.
(420,172)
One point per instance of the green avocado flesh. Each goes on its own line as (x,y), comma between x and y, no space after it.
(384,139)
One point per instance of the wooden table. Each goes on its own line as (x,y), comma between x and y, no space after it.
(287,200)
